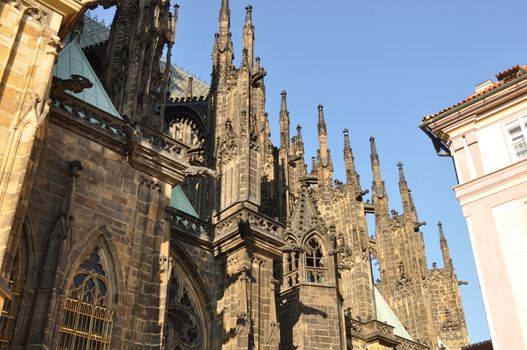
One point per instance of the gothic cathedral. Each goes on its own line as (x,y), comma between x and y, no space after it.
(159,215)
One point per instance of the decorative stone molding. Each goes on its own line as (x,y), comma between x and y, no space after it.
(151,183)
(55,44)
(148,150)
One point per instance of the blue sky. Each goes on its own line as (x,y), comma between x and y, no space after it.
(377,67)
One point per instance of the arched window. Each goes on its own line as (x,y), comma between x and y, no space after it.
(183,326)
(11,307)
(291,268)
(87,316)
(315,269)
(16,282)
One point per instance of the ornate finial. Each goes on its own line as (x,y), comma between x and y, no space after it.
(401,172)
(248,13)
(245,56)
(347,145)
(441,233)
(283,105)
(189,87)
(313,165)
(321,120)
(373,148)
(299,132)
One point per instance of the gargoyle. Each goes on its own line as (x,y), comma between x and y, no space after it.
(75,84)
(201,171)
(418,224)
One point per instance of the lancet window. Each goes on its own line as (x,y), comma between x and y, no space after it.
(315,269)
(87,316)
(183,328)
(9,313)
(291,268)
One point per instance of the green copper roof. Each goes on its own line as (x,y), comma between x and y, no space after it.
(180,201)
(385,314)
(73,61)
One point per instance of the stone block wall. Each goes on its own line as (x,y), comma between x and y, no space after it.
(111,202)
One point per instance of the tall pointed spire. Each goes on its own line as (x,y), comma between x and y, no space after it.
(321,121)
(348,158)
(285,135)
(222,53)
(225,17)
(447,260)
(299,132)
(405,192)
(322,138)
(248,36)
(378,190)
(379,195)
(351,173)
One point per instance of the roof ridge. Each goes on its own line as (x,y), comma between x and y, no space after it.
(503,77)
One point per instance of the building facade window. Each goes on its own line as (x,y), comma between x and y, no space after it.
(291,268)
(11,307)
(315,269)
(183,328)
(517,132)
(87,317)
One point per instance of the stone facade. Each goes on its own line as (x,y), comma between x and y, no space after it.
(259,253)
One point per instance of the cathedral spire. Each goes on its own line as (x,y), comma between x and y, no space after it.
(379,195)
(321,121)
(447,260)
(322,138)
(222,53)
(225,17)
(352,177)
(325,171)
(299,132)
(284,123)
(299,143)
(248,35)
(378,184)
(405,194)
(348,158)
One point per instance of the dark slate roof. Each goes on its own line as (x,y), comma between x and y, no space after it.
(96,32)
(485,345)
(179,84)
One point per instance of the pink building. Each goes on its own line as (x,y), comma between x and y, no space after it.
(486,135)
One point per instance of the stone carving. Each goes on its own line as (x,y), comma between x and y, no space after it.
(403,286)
(254,133)
(201,171)
(55,44)
(187,223)
(151,184)
(76,84)
(227,144)
(449,325)
(344,253)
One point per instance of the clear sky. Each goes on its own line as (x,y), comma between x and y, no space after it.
(377,67)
